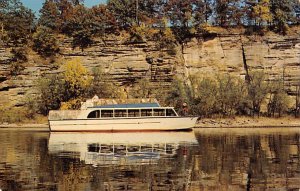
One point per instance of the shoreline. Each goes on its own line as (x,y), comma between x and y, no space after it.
(44,127)
(248,122)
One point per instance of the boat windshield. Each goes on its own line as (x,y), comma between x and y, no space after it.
(94,114)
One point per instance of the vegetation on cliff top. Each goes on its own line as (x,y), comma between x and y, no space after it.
(186,18)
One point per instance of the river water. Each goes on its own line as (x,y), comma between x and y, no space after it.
(204,159)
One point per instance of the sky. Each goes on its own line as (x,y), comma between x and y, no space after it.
(36,5)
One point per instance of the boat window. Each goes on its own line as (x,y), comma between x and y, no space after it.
(106,113)
(120,113)
(94,114)
(170,112)
(159,112)
(133,113)
(146,112)
(94,147)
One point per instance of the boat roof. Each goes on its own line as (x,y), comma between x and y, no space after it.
(125,106)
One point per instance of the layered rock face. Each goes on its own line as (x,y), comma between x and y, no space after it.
(277,56)
(126,63)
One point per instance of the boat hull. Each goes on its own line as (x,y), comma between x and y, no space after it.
(123,124)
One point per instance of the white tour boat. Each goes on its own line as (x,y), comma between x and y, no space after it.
(119,117)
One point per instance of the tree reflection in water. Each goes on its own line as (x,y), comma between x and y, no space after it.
(200,160)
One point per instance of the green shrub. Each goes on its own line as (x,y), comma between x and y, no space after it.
(206,97)
(257,91)
(180,95)
(141,89)
(51,91)
(45,42)
(279,100)
(10,114)
(19,56)
(31,106)
(231,94)
(102,85)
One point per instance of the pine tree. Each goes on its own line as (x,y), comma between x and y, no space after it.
(49,15)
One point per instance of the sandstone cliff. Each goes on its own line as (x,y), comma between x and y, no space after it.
(227,53)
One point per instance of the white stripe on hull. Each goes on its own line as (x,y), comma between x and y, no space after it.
(118,124)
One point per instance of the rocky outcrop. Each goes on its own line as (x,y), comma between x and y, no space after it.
(126,63)
(277,55)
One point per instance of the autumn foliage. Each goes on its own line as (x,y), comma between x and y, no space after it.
(185,18)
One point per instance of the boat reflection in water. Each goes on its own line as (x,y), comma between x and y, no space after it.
(104,149)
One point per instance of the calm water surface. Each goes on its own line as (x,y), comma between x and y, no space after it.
(206,159)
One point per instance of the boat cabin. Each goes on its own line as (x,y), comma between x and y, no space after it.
(131,111)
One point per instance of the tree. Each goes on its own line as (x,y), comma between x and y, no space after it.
(282,13)
(51,92)
(279,100)
(65,8)
(231,94)
(179,95)
(76,78)
(136,12)
(261,13)
(228,12)
(125,12)
(203,11)
(296,10)
(19,56)
(77,2)
(50,16)
(149,12)
(180,14)
(17,21)
(102,85)
(45,42)
(142,89)
(206,92)
(257,90)
(165,37)
(104,21)
(80,27)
